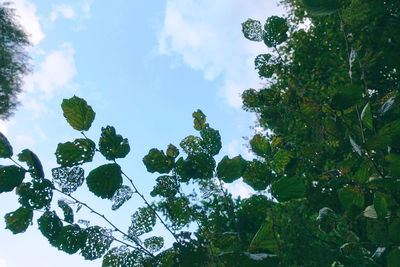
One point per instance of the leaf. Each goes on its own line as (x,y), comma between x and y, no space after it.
(167,186)
(98,241)
(351,196)
(199,166)
(356,147)
(50,226)
(192,145)
(75,153)
(288,188)
(362,174)
(265,238)
(346,97)
(394,164)
(113,145)
(261,64)
(10,178)
(387,105)
(142,221)
(366,116)
(281,159)
(370,212)
(71,239)
(6,150)
(68,179)
(211,140)
(122,195)
(260,145)
(393,258)
(157,161)
(105,180)
(380,205)
(121,256)
(199,120)
(252,30)
(177,210)
(78,113)
(67,210)
(394,231)
(172,151)
(33,162)
(36,195)
(377,232)
(321,7)
(154,243)
(258,175)
(230,170)
(275,31)
(18,221)
(327,219)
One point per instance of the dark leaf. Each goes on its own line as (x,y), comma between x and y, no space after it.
(211,140)
(67,210)
(19,220)
(258,175)
(113,145)
(377,232)
(199,120)
(33,162)
(75,153)
(167,186)
(142,221)
(78,113)
(265,238)
(105,180)
(68,179)
(393,258)
(260,145)
(157,161)
(263,66)
(199,166)
(394,231)
(321,7)
(350,196)
(50,226)
(275,31)
(121,257)
(380,205)
(10,178)
(230,170)
(327,219)
(172,151)
(154,243)
(6,150)
(98,241)
(346,97)
(71,239)
(288,188)
(36,195)
(192,145)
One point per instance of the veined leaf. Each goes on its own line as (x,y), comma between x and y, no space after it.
(380,205)
(36,195)
(211,140)
(288,188)
(50,226)
(157,161)
(167,186)
(387,105)
(18,221)
(121,256)
(199,120)
(6,150)
(10,178)
(258,175)
(105,180)
(67,210)
(275,31)
(78,113)
(122,195)
(33,162)
(113,145)
(75,153)
(366,116)
(192,145)
(143,222)
(68,179)
(172,151)
(321,7)
(154,243)
(71,239)
(98,241)
(230,170)
(265,238)
(351,196)
(260,145)
(252,30)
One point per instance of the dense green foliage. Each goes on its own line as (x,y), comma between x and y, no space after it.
(326,171)
(13,60)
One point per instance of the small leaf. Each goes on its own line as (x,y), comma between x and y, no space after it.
(122,195)
(33,162)
(192,145)
(387,105)
(288,188)
(50,226)
(370,212)
(167,186)
(67,210)
(113,145)
(78,113)
(98,241)
(260,145)
(321,7)
(18,221)
(230,170)
(105,180)
(68,179)
(154,243)
(211,140)
(252,30)
(199,120)
(172,151)
(157,161)
(6,150)
(142,221)
(275,31)
(10,178)
(366,116)
(75,153)
(380,205)
(356,147)
(71,239)
(327,219)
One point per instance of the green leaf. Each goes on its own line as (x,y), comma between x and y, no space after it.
(105,180)
(346,97)
(394,231)
(288,188)
(67,210)
(177,210)
(18,221)
(10,178)
(167,186)
(157,161)
(366,116)
(78,113)
(192,145)
(258,175)
(228,241)
(370,212)
(98,241)
(199,120)
(281,159)
(321,7)
(122,195)
(199,166)
(142,221)
(68,179)
(380,205)
(394,164)
(362,174)
(121,256)
(75,153)
(172,151)
(275,31)
(33,162)
(71,239)
(36,195)
(154,243)
(377,232)
(211,140)
(50,226)
(350,196)
(265,238)
(230,170)
(260,145)
(113,145)
(327,219)
(6,150)
(252,30)
(261,63)
(393,258)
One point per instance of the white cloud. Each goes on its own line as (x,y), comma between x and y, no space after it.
(25,140)
(239,188)
(3,263)
(207,35)
(4,126)
(26,12)
(64,10)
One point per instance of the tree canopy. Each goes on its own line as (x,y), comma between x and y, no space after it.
(326,170)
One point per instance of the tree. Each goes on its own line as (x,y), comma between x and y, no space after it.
(13,60)
(329,162)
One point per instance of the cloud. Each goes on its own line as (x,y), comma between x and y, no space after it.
(207,36)
(78,10)
(64,10)
(26,12)
(4,126)
(239,188)
(3,263)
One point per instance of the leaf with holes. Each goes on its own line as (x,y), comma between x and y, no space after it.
(167,186)
(113,145)
(105,180)
(252,30)
(157,161)
(36,195)
(18,221)
(154,243)
(142,221)
(172,151)
(192,145)
(75,153)
(199,120)
(10,178)
(98,241)
(33,162)
(78,113)
(122,195)
(67,210)
(68,179)
(71,239)
(275,31)
(50,226)
(121,256)
(6,150)
(261,63)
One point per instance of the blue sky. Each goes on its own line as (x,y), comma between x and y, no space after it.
(144,67)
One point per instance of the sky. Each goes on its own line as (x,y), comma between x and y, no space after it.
(144,67)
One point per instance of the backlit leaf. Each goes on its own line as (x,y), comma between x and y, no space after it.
(68,179)
(6,150)
(211,140)
(67,210)
(263,65)
(50,226)
(199,120)
(33,162)
(105,180)
(252,30)
(167,186)
(71,239)
(258,175)
(192,145)
(113,145)
(142,221)
(19,220)
(321,7)
(260,145)
(288,188)
(122,195)
(37,194)
(75,153)
(157,161)
(98,241)
(275,31)
(230,170)
(121,257)
(10,178)
(78,113)
(154,243)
